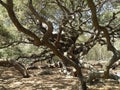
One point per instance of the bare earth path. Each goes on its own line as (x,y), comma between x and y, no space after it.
(48,79)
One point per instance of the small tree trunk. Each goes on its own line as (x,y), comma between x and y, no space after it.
(106,73)
(81,78)
(83,83)
(115,58)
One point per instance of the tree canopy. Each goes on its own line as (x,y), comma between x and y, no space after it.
(68,29)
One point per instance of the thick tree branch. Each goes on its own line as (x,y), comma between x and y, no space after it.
(97,26)
(9,8)
(93,11)
(3,4)
(42,20)
(62,57)
(66,60)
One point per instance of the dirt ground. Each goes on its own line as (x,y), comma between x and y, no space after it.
(48,79)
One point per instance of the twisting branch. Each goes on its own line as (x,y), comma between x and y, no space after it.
(2,3)
(63,8)
(116,53)
(93,11)
(97,26)
(9,8)
(41,19)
